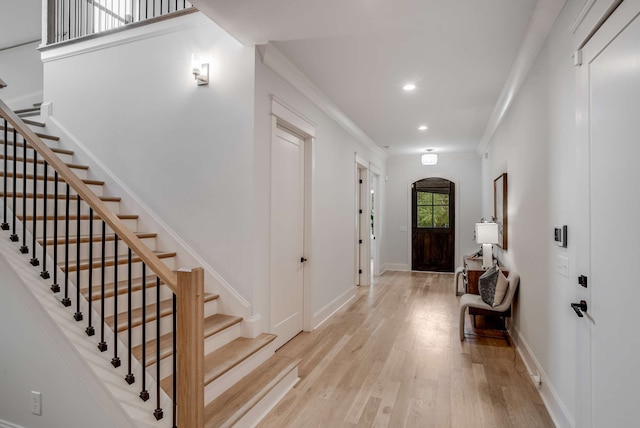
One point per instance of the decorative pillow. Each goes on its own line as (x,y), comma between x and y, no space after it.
(487,285)
(501,289)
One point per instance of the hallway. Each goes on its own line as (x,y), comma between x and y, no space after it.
(393,358)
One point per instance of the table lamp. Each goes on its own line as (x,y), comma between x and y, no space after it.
(487,234)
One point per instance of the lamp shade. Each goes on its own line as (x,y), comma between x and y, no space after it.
(486,233)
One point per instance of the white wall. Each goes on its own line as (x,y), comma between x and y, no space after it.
(402,171)
(22,71)
(536,145)
(30,361)
(333,180)
(184,150)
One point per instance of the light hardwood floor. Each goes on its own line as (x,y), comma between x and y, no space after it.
(393,358)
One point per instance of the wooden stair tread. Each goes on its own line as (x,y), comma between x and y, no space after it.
(110,261)
(234,403)
(166,309)
(39,134)
(51,177)
(225,358)
(74,217)
(84,239)
(41,162)
(34,123)
(212,325)
(20,147)
(27,110)
(63,197)
(123,287)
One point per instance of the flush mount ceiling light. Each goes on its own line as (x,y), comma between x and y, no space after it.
(423,127)
(429,158)
(409,87)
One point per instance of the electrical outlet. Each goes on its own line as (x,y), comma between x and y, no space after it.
(537,380)
(36,403)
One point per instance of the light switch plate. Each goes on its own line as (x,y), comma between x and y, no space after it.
(36,403)
(562,266)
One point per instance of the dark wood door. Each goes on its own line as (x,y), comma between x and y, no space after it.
(433,225)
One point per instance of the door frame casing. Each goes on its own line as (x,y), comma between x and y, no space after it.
(376,172)
(597,29)
(456,240)
(288,118)
(361,197)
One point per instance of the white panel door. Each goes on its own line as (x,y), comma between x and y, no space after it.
(612,85)
(287,235)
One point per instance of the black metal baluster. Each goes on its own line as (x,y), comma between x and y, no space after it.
(69,21)
(45,274)
(78,315)
(90,330)
(130,378)
(14,236)
(102,346)
(115,361)
(34,259)
(144,394)
(5,224)
(66,301)
(154,7)
(24,249)
(158,412)
(175,367)
(55,287)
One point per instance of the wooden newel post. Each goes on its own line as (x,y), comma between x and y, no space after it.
(190,344)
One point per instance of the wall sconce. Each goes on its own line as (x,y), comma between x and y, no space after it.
(200,70)
(201,74)
(429,158)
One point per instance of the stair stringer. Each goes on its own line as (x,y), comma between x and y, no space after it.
(231,302)
(94,368)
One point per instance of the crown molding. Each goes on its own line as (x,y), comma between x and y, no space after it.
(544,15)
(279,64)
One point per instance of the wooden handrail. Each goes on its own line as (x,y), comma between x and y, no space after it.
(137,246)
(2,84)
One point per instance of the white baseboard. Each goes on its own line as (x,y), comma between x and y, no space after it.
(334,306)
(5,424)
(400,267)
(556,408)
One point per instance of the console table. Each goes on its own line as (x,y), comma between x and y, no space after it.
(473,268)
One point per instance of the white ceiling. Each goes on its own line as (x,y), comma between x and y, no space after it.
(19,22)
(361,52)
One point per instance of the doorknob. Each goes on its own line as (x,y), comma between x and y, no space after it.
(302,260)
(580,308)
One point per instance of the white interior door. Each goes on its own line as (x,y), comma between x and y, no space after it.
(611,88)
(287,235)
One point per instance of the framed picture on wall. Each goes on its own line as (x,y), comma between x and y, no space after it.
(500,208)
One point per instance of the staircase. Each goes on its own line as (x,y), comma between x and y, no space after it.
(124,292)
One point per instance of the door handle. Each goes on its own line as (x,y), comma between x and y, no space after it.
(302,260)
(580,308)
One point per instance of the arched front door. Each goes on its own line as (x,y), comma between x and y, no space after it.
(433,225)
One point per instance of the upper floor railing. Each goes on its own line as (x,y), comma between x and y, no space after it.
(73,19)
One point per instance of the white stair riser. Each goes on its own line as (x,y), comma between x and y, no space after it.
(123,272)
(220,339)
(114,206)
(218,386)
(81,173)
(97,248)
(136,299)
(66,158)
(97,189)
(131,224)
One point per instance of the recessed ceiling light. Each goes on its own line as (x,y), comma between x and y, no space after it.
(423,127)
(409,87)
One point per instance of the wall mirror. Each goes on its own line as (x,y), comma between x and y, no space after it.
(500,208)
